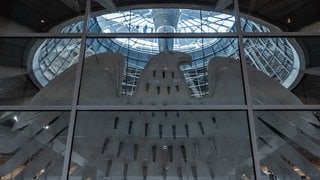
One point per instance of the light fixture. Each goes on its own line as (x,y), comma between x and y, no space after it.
(15,118)
(42,21)
(289,20)
(46,127)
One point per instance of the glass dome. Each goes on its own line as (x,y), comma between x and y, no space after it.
(276,57)
(188,21)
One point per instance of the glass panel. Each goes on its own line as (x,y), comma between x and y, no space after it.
(32,144)
(289,16)
(162,20)
(41,16)
(288,66)
(178,71)
(27,65)
(307,90)
(161,145)
(250,24)
(288,144)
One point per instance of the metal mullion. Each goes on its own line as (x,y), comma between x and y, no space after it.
(247,94)
(156,35)
(95,23)
(163,35)
(279,34)
(300,107)
(161,108)
(73,114)
(41,35)
(127,58)
(35,108)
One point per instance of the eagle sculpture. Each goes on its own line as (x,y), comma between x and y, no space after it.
(162,144)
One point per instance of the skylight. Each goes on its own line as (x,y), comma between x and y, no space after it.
(189,21)
(276,57)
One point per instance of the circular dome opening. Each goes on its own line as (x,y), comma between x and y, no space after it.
(276,57)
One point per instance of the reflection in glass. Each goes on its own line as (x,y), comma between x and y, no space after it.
(18,84)
(32,144)
(56,56)
(161,82)
(161,145)
(288,144)
(275,57)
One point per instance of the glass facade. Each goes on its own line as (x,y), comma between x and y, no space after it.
(277,58)
(161,93)
(36,146)
(294,152)
(151,146)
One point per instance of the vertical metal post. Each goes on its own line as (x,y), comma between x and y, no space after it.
(247,94)
(127,58)
(203,60)
(73,114)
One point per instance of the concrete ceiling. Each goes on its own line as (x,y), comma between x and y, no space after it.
(30,12)
(301,13)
